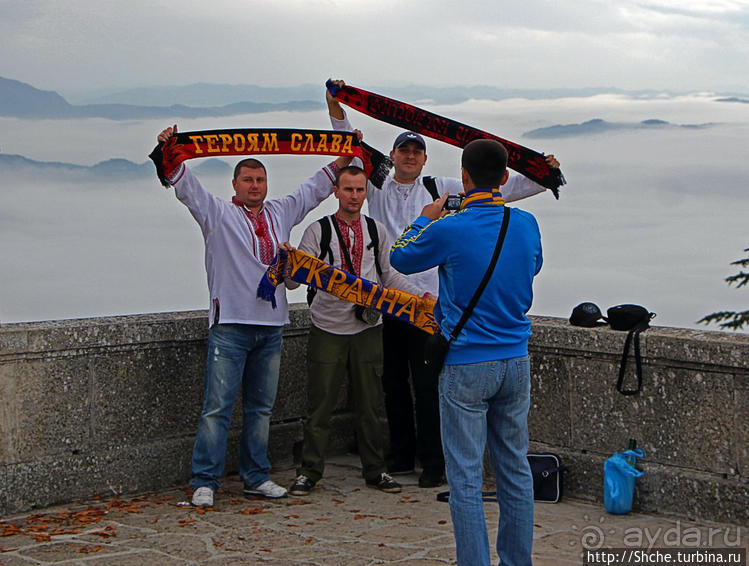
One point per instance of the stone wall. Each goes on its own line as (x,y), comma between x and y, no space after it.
(691,419)
(94,405)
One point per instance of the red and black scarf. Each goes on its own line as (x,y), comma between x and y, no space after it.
(525,161)
(217,143)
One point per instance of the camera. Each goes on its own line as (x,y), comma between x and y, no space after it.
(367,316)
(453,202)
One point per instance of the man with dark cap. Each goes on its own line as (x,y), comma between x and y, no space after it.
(400,199)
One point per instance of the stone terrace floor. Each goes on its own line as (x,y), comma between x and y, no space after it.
(340,523)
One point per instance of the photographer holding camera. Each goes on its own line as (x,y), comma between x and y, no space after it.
(400,199)
(346,338)
(484,386)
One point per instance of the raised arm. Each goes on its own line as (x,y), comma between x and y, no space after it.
(519,187)
(204,207)
(338,118)
(420,247)
(334,107)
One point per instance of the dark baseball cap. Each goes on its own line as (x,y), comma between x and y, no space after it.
(586,314)
(406,137)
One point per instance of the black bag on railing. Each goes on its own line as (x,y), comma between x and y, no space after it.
(635,319)
(631,318)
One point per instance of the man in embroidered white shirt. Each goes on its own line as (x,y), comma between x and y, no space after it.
(244,340)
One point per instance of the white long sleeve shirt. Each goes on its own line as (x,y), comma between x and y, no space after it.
(232,251)
(396,205)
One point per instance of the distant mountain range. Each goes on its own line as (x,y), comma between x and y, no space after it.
(21,100)
(205,94)
(117,168)
(733,99)
(598,126)
(111,169)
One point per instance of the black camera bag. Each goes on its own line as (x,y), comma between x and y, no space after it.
(547,470)
(634,319)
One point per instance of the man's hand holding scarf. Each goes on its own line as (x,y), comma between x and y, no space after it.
(303,268)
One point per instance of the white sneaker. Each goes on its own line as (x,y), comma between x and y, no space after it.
(203,497)
(266,489)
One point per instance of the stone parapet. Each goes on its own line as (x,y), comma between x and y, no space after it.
(690,418)
(111,404)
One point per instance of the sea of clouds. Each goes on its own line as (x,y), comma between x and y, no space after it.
(648,216)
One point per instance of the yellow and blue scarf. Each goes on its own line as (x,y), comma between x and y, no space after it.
(482,196)
(304,268)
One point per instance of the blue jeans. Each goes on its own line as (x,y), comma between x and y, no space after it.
(238,355)
(480,402)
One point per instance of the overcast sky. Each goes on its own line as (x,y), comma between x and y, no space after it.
(75,45)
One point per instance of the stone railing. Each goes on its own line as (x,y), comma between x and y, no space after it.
(111,404)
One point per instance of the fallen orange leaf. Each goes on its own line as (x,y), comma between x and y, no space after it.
(185,522)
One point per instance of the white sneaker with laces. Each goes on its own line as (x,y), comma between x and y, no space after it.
(267,489)
(203,497)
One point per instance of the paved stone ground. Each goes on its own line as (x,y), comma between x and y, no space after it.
(340,523)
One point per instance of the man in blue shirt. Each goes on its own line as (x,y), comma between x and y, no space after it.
(484,387)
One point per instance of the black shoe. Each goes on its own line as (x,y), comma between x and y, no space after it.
(385,483)
(431,478)
(302,485)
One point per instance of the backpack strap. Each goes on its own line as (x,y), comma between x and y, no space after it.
(325,234)
(431,185)
(375,237)
(634,333)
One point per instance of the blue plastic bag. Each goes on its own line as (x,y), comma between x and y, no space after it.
(619,481)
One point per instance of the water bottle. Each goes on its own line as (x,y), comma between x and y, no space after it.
(632,446)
